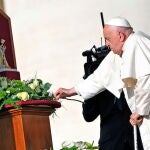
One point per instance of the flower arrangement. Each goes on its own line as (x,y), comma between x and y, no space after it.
(79,145)
(13,91)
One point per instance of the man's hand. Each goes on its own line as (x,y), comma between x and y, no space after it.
(136,119)
(63,93)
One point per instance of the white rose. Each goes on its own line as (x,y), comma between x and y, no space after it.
(23,96)
(36,82)
(32,86)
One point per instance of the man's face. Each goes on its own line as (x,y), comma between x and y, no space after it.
(113,39)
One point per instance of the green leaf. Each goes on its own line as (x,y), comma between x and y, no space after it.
(27,89)
(11,90)
(47,86)
(2,94)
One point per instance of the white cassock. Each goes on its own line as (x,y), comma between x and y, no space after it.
(134,63)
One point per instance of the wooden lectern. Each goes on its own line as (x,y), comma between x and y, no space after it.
(26,128)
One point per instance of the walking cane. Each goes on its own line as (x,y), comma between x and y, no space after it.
(131,82)
(135,128)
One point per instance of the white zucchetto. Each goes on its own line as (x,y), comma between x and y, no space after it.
(118,21)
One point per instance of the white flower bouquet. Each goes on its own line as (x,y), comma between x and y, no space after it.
(79,145)
(14,91)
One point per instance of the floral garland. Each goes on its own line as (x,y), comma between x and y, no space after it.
(13,91)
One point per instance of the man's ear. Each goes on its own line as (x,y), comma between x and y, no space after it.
(122,36)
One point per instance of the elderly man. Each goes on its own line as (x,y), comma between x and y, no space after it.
(126,68)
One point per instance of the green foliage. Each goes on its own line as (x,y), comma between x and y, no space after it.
(12,91)
(80,145)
